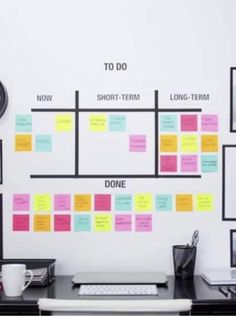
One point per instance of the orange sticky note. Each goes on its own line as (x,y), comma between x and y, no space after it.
(184,202)
(168,143)
(42,223)
(82,202)
(209,143)
(23,142)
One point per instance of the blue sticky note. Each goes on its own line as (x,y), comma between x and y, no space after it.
(43,143)
(82,223)
(23,123)
(164,202)
(209,163)
(123,202)
(168,123)
(117,123)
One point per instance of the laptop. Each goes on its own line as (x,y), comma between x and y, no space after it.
(220,276)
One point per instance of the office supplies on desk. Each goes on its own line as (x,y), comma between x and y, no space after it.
(220,277)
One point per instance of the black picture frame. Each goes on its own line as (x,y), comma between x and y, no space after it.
(232,100)
(1,228)
(1,177)
(233,248)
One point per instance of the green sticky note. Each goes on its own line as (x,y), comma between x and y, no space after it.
(209,163)
(204,202)
(164,202)
(23,123)
(43,143)
(117,123)
(168,123)
(123,202)
(82,223)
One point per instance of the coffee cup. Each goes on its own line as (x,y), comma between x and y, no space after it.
(13,279)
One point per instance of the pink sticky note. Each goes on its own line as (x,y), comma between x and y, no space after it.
(188,123)
(168,163)
(62,223)
(137,143)
(21,202)
(62,202)
(143,223)
(123,223)
(209,123)
(102,202)
(21,223)
(189,163)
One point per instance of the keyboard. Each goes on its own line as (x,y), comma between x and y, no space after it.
(118,289)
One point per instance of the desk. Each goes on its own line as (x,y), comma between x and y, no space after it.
(206,299)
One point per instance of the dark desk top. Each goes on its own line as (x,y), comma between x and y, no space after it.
(205,298)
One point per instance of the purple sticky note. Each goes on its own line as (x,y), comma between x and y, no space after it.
(21,223)
(209,123)
(143,223)
(188,123)
(168,163)
(21,202)
(137,143)
(189,163)
(123,223)
(62,223)
(102,202)
(62,202)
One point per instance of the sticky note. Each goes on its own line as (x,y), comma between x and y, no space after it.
(62,202)
(209,143)
(164,202)
(189,143)
(184,203)
(23,142)
(168,143)
(189,163)
(62,223)
(204,202)
(143,223)
(43,143)
(82,223)
(123,223)
(42,223)
(98,122)
(209,163)
(123,202)
(102,222)
(21,223)
(209,123)
(21,202)
(117,123)
(168,163)
(102,202)
(143,202)
(137,143)
(64,123)
(189,122)
(42,202)
(168,123)
(82,202)
(23,123)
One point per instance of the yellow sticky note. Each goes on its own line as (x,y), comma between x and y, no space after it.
(189,143)
(209,143)
(23,142)
(168,143)
(143,202)
(204,202)
(64,123)
(82,202)
(184,202)
(42,202)
(102,223)
(42,223)
(98,123)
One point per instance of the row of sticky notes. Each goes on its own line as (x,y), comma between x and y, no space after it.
(188,143)
(188,163)
(24,142)
(103,123)
(140,202)
(82,223)
(63,123)
(188,123)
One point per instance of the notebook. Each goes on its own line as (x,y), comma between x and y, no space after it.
(220,276)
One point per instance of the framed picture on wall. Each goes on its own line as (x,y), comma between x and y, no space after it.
(232,248)
(233,99)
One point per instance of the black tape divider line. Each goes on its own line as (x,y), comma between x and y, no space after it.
(52,110)
(72,176)
(180,110)
(180,176)
(76,133)
(232,69)
(1,228)
(156,156)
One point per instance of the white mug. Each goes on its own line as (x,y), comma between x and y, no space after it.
(13,279)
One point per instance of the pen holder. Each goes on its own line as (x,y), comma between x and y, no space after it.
(184,260)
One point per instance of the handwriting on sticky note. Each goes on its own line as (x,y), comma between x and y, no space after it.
(137,143)
(42,202)
(62,202)
(143,202)
(43,143)
(189,122)
(204,202)
(184,203)
(64,123)
(23,123)
(21,202)
(82,223)
(42,223)
(168,163)
(168,123)
(209,143)
(102,222)
(117,123)
(209,123)
(168,143)
(102,202)
(143,223)
(123,223)
(189,163)
(98,122)
(164,202)
(23,142)
(21,223)
(82,202)
(62,223)
(123,202)
(189,143)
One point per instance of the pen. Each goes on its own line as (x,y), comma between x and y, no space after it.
(223,291)
(232,290)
